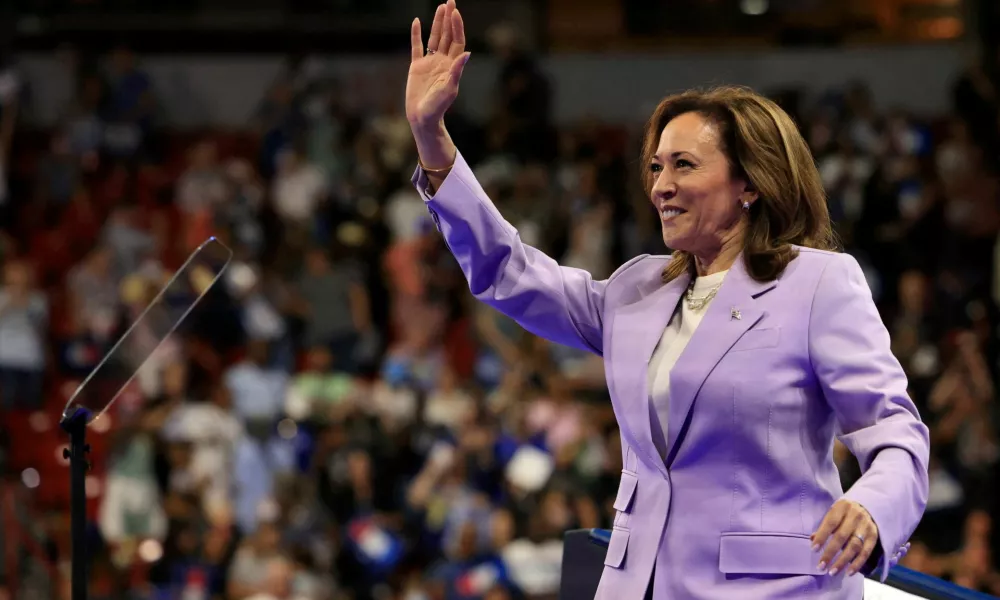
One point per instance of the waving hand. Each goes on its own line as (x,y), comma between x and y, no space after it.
(432,83)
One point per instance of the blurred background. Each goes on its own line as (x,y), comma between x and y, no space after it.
(339,419)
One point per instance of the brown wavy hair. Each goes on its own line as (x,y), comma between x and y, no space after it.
(765,149)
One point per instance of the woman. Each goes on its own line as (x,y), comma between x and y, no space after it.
(731,363)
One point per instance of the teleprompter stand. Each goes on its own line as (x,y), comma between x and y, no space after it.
(75,424)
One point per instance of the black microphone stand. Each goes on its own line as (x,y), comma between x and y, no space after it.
(75,424)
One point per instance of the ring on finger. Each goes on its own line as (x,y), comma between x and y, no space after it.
(860,537)
(430,51)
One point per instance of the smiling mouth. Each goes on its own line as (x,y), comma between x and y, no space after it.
(670,213)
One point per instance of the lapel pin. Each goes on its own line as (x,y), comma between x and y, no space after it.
(734,314)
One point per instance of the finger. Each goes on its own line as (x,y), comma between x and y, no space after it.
(416,41)
(830,523)
(851,549)
(871,540)
(843,541)
(458,66)
(446,28)
(435,39)
(457,34)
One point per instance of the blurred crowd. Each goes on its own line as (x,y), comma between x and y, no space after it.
(338,418)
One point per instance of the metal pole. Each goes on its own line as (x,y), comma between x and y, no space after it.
(76,425)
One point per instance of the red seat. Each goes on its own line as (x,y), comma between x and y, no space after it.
(52,254)
(461,348)
(22,445)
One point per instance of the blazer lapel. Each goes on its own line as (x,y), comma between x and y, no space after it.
(637,329)
(731,314)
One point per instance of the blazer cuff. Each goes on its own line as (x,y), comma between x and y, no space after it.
(423,184)
(460,198)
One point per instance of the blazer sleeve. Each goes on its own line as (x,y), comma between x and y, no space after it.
(867,389)
(562,304)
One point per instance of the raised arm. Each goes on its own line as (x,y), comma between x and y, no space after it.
(432,86)
(561,304)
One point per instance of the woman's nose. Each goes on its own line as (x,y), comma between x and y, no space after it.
(664,188)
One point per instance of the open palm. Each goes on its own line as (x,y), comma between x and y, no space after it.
(432,83)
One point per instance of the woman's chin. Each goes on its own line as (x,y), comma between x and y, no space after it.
(672,240)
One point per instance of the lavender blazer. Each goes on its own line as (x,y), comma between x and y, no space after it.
(774,372)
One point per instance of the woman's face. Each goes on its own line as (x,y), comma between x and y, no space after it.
(698,202)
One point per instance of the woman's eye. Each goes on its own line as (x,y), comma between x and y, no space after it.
(655,168)
(683,164)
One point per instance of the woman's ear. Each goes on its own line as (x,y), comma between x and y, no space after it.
(750,194)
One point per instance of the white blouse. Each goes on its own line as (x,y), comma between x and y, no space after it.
(672,343)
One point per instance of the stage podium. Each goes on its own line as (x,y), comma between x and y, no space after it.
(583,562)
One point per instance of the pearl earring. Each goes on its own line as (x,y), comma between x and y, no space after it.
(746,206)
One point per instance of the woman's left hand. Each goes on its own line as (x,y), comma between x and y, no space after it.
(849,530)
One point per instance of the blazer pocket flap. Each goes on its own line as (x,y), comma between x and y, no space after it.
(768,553)
(616,548)
(756,339)
(626,491)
